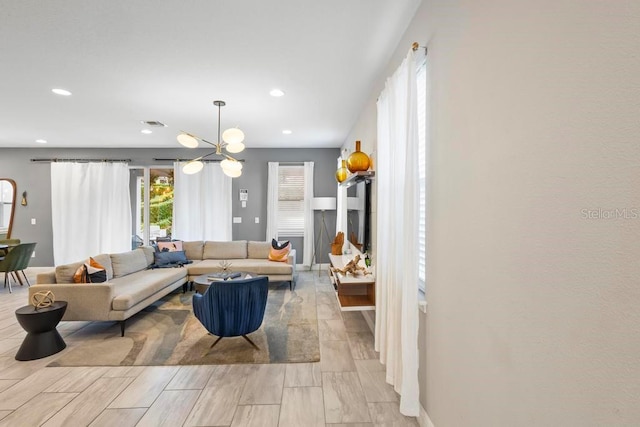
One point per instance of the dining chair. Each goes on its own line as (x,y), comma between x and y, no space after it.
(15,262)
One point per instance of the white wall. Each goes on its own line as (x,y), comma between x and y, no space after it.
(534,311)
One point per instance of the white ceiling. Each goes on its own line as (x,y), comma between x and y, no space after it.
(127,61)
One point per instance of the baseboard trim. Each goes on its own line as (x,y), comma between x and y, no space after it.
(321,266)
(370,318)
(423,418)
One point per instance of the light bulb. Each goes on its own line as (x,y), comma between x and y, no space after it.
(236,147)
(194,166)
(233,136)
(187,140)
(230,165)
(232,173)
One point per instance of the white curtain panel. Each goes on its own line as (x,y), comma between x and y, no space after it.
(396,332)
(309,233)
(201,204)
(90,210)
(272,201)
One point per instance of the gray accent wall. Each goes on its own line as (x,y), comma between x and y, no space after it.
(35,179)
(254,179)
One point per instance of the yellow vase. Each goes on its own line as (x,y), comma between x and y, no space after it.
(358,161)
(341,173)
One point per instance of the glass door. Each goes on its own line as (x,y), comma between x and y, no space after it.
(151,205)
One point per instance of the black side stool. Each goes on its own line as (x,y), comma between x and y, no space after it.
(42,338)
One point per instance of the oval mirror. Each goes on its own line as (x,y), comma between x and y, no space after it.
(7,206)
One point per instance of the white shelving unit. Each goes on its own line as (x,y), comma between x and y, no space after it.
(354,293)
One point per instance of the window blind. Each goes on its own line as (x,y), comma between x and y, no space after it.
(291,201)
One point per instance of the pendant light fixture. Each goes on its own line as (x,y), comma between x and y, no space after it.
(231,142)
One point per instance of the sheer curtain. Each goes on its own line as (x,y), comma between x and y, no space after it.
(272,201)
(201,204)
(309,234)
(90,210)
(396,332)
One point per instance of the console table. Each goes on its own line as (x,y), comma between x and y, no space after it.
(354,292)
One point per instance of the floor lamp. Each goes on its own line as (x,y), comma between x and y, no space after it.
(322,204)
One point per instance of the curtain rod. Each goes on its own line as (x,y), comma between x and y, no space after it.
(188,160)
(415,46)
(81,160)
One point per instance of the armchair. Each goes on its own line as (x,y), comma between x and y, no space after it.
(232,308)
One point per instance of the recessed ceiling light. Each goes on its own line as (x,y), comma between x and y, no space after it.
(41,141)
(146,131)
(287,132)
(276,92)
(62,92)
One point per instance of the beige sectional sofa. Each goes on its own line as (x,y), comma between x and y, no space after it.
(129,288)
(249,256)
(131,285)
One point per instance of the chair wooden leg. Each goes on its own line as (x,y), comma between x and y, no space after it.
(18,278)
(251,342)
(25,278)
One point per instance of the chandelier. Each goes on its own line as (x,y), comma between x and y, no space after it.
(231,142)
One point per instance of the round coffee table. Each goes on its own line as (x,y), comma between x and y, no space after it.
(202,282)
(42,338)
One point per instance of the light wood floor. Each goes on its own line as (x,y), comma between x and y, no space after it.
(346,387)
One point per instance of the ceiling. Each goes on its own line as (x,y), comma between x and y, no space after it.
(127,61)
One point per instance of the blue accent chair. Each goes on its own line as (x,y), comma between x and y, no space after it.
(232,308)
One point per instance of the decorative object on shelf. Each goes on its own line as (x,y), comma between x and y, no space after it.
(231,141)
(225,265)
(336,246)
(358,161)
(24,198)
(352,267)
(367,260)
(342,172)
(43,299)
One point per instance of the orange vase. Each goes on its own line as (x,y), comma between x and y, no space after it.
(341,173)
(358,161)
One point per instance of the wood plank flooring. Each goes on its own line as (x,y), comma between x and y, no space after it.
(346,387)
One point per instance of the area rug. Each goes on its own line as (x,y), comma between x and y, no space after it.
(167,333)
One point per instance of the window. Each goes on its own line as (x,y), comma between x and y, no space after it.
(159,215)
(423,132)
(291,201)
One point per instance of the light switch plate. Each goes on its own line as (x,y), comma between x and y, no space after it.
(237,220)
(257,220)
(33,221)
